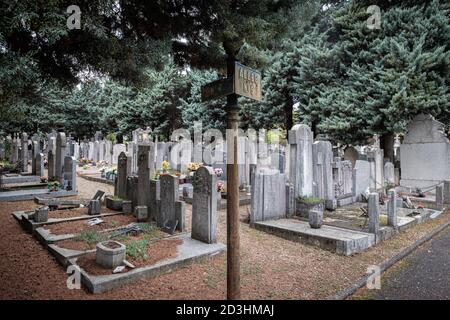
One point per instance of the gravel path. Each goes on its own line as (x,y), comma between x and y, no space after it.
(423,275)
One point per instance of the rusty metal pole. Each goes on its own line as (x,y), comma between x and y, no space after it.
(233,238)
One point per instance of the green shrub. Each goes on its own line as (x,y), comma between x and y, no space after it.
(91,238)
(137,249)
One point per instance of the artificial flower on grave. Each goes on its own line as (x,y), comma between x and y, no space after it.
(165,166)
(193,166)
(53,186)
(218,172)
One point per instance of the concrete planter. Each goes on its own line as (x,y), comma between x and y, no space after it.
(315,219)
(110,254)
(113,204)
(303,208)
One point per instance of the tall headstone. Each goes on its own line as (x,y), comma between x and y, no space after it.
(204,205)
(323,175)
(170,208)
(39,165)
(447,192)
(36,149)
(439,197)
(123,171)
(389,172)
(70,173)
(143,175)
(392,208)
(301,160)
(61,144)
(51,158)
(361,178)
(24,153)
(374,213)
(155,199)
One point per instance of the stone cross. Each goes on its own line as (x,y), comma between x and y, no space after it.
(204,205)
(123,171)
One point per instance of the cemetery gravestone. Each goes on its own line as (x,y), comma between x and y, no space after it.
(204,205)
(323,176)
(61,144)
(301,160)
(123,171)
(424,153)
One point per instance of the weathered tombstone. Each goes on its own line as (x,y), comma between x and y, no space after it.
(204,205)
(132,190)
(447,192)
(392,208)
(389,173)
(439,197)
(155,199)
(424,153)
(168,204)
(35,151)
(361,178)
(141,213)
(323,175)
(117,149)
(268,200)
(94,207)
(301,160)
(376,162)
(51,158)
(123,171)
(343,181)
(24,153)
(61,144)
(290,200)
(70,173)
(41,214)
(374,213)
(143,175)
(39,165)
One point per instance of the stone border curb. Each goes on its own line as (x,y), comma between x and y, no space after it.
(343,294)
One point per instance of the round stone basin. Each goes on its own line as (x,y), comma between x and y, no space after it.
(110,254)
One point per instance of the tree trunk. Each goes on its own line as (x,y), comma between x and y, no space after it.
(387,144)
(288,117)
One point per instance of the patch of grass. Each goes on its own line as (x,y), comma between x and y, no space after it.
(149,230)
(310,200)
(91,238)
(138,249)
(114,223)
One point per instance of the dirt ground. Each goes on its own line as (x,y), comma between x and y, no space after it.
(271,267)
